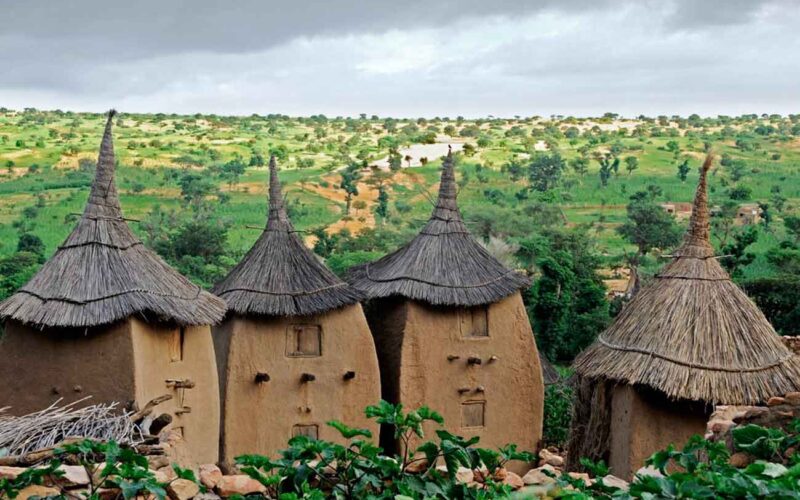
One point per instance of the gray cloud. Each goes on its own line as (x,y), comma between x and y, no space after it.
(416,57)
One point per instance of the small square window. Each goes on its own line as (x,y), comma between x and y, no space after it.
(310,431)
(176,341)
(473,414)
(474,322)
(304,341)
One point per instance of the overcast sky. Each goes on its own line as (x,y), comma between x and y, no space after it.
(403,57)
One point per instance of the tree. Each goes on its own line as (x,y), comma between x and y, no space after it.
(683,170)
(567,304)
(382,207)
(580,165)
(648,226)
(232,170)
(256,160)
(30,243)
(195,187)
(631,164)
(349,184)
(608,164)
(545,171)
(777,199)
(792,225)
(736,256)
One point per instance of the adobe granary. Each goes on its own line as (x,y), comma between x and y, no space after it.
(452,332)
(295,350)
(105,317)
(689,340)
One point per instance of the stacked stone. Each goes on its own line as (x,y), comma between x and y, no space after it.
(778,413)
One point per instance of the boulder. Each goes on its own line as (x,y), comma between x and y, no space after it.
(538,476)
(775,401)
(182,489)
(418,466)
(546,457)
(10,472)
(37,490)
(500,474)
(740,460)
(649,471)
(239,484)
(582,476)
(513,480)
(464,475)
(792,398)
(74,476)
(210,475)
(615,482)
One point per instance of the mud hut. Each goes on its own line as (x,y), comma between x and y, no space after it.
(295,350)
(105,317)
(452,332)
(687,341)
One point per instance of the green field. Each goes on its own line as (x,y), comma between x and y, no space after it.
(46,159)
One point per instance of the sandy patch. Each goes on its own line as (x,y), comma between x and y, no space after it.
(418,151)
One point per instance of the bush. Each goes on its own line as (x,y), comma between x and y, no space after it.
(557,414)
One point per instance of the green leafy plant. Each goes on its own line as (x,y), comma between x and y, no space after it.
(361,470)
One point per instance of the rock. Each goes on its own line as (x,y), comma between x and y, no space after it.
(10,472)
(513,480)
(418,466)
(464,475)
(649,471)
(74,476)
(546,457)
(722,426)
(500,474)
(167,472)
(538,476)
(775,401)
(210,475)
(751,413)
(582,476)
(170,437)
(182,489)
(109,493)
(790,451)
(207,496)
(239,485)
(615,482)
(37,490)
(740,460)
(480,475)
(792,398)
(156,462)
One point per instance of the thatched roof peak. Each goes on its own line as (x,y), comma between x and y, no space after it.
(102,273)
(446,206)
(697,242)
(103,198)
(277,219)
(692,333)
(443,264)
(280,276)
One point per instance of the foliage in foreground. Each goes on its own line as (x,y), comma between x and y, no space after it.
(702,470)
(318,469)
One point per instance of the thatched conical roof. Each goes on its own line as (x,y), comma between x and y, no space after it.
(692,333)
(103,273)
(280,276)
(443,264)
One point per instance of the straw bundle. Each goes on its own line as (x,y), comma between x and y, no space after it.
(46,428)
(443,265)
(279,276)
(692,333)
(103,273)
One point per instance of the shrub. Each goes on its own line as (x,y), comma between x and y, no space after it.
(557,414)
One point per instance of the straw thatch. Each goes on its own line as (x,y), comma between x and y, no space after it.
(280,276)
(692,333)
(443,265)
(103,273)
